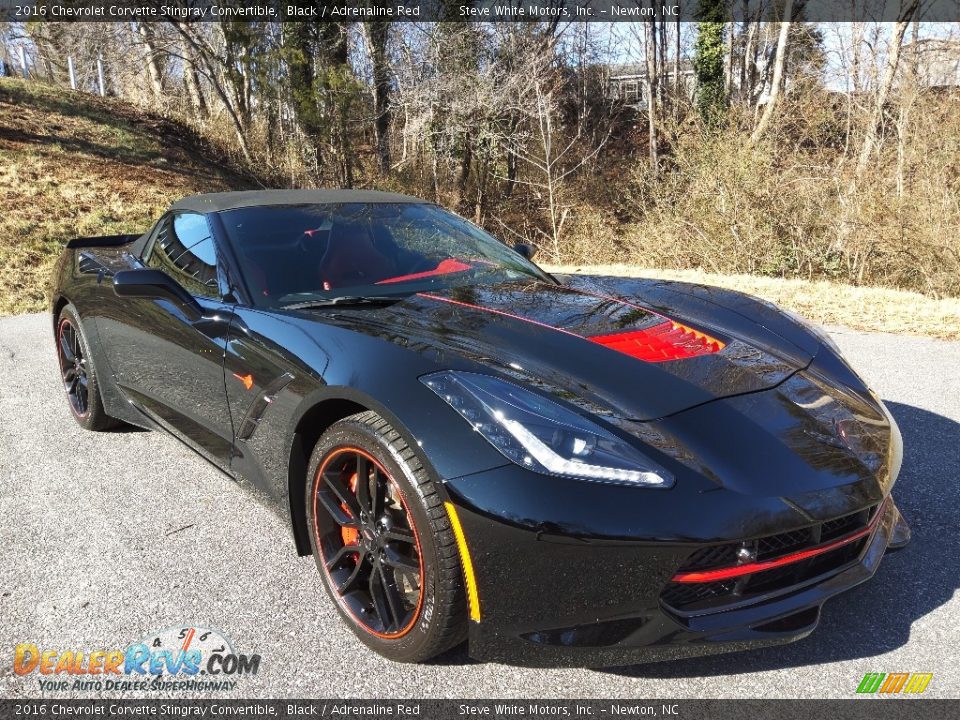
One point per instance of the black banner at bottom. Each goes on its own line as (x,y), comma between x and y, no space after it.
(874,708)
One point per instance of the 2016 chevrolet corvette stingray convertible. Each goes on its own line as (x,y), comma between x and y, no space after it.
(563,470)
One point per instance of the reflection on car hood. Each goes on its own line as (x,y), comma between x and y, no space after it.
(540,333)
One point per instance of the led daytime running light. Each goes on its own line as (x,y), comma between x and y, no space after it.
(561,466)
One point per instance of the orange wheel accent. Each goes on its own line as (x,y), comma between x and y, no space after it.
(350,535)
(368,543)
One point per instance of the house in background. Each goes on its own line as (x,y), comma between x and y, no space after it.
(930,63)
(627,83)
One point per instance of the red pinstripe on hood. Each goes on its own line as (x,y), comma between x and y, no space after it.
(665,340)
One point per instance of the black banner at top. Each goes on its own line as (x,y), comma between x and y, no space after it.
(473,10)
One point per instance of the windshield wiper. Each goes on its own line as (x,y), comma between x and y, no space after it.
(346,300)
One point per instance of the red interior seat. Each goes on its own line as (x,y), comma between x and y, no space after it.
(352,258)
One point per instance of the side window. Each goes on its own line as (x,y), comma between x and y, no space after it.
(184,249)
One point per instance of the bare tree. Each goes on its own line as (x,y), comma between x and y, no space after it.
(152,59)
(748,59)
(893,59)
(676,61)
(731,46)
(213,66)
(376,35)
(550,159)
(650,46)
(191,80)
(778,78)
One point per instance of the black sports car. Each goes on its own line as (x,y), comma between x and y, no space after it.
(566,470)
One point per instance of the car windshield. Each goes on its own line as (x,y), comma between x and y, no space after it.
(294,254)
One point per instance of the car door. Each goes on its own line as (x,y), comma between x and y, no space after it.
(167,363)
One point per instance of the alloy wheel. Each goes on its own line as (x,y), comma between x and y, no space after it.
(368,543)
(73,368)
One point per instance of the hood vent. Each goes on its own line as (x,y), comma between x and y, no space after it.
(664,341)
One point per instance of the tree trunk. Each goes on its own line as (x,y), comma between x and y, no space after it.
(777,81)
(747,73)
(512,125)
(346,158)
(728,81)
(856,40)
(676,66)
(466,161)
(205,55)
(752,70)
(234,65)
(650,34)
(377,34)
(153,67)
(662,63)
(915,52)
(191,80)
(336,52)
(246,85)
(893,58)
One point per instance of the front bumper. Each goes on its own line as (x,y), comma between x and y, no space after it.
(550,596)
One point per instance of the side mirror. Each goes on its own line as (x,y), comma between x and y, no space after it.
(526,249)
(149,283)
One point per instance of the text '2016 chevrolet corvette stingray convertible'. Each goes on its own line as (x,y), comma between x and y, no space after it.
(563,470)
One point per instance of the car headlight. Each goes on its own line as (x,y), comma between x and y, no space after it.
(541,435)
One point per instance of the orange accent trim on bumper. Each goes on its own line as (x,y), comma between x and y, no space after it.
(750,568)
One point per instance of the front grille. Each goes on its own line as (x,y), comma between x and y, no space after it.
(774,546)
(711,556)
(718,594)
(832,529)
(682,595)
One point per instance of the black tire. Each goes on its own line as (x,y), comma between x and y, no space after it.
(78,374)
(438,620)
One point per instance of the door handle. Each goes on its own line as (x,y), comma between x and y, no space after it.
(214,324)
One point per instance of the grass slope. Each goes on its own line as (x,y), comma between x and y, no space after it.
(72,164)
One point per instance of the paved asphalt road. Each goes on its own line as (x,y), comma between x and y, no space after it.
(105,537)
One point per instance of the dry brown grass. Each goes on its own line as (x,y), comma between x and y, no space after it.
(70,168)
(792,206)
(73,165)
(822,301)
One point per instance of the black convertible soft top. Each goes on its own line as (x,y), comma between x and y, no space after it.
(214,202)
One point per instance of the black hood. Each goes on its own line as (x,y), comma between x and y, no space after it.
(545,335)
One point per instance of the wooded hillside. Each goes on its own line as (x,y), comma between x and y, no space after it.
(788,149)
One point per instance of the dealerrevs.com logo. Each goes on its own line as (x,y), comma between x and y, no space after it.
(894,683)
(172,659)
